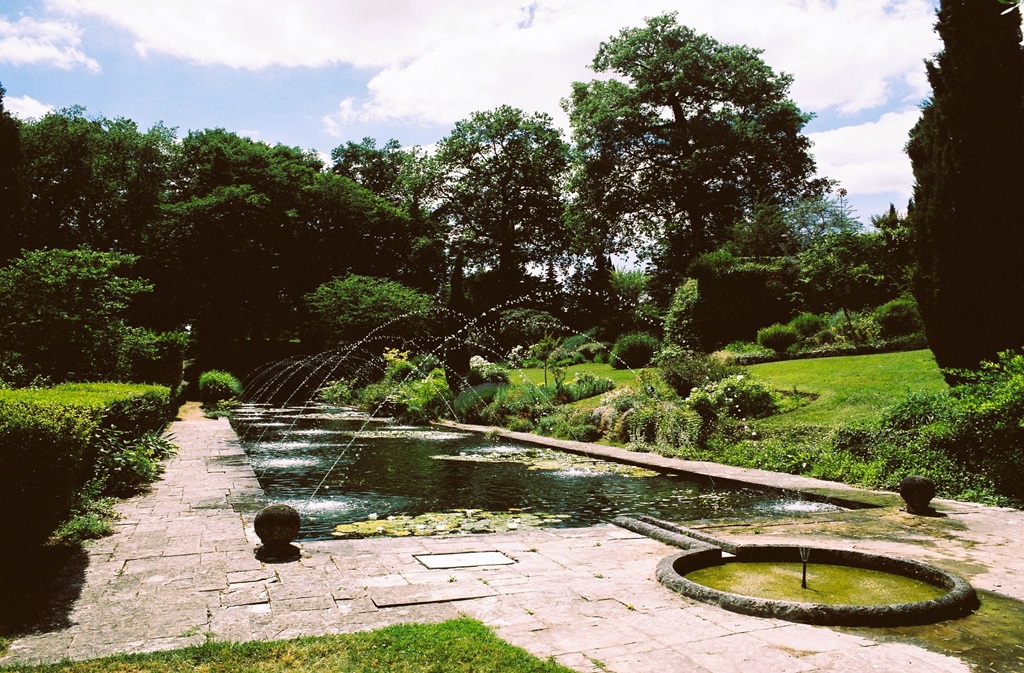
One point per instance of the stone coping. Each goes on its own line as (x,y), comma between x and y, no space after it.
(820,490)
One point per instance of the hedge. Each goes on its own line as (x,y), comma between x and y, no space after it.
(47,452)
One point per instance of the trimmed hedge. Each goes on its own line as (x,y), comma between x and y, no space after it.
(48,452)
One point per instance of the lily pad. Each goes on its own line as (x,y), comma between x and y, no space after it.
(548,459)
(459,521)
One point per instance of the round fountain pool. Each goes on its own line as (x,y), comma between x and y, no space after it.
(844,587)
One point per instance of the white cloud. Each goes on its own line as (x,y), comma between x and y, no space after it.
(26,108)
(54,43)
(436,62)
(433,63)
(869,158)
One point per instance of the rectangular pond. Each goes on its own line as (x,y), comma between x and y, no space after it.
(341,469)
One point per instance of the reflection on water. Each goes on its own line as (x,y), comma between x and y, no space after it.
(341,468)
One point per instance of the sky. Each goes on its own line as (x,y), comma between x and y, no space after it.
(315,74)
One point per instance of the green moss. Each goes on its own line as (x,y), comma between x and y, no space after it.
(827,584)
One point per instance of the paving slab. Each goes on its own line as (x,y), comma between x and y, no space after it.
(181,568)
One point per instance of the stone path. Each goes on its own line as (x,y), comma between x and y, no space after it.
(181,569)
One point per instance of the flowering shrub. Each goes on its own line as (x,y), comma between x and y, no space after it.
(482,371)
(741,396)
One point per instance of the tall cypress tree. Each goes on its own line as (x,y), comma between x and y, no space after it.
(967,152)
(11,159)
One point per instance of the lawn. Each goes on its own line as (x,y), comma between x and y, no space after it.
(620,377)
(850,389)
(456,646)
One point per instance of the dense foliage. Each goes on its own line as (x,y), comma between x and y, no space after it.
(967,152)
(634,351)
(683,138)
(62,316)
(344,310)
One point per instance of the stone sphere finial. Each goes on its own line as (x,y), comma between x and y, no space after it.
(277,525)
(917,492)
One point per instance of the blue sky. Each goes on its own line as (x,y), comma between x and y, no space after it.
(318,73)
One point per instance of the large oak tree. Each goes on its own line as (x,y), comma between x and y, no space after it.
(685,136)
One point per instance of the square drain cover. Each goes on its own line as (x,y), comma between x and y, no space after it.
(464,560)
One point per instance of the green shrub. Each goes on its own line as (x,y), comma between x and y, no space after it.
(586,384)
(808,324)
(44,452)
(526,402)
(898,318)
(680,320)
(746,348)
(340,392)
(568,423)
(685,370)
(854,327)
(468,405)
(777,337)
(216,385)
(742,396)
(642,425)
(126,466)
(423,400)
(634,351)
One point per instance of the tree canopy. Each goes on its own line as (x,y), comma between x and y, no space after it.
(501,179)
(687,136)
(62,314)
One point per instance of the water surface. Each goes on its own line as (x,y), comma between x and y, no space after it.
(339,468)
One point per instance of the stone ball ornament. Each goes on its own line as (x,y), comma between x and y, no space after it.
(277,525)
(917,492)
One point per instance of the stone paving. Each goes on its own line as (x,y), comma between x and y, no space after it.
(181,569)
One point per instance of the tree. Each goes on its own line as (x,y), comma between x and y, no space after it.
(501,193)
(62,313)
(694,135)
(967,152)
(96,182)
(345,310)
(233,220)
(11,157)
(375,168)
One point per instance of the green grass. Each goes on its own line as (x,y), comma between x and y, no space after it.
(456,646)
(852,389)
(620,377)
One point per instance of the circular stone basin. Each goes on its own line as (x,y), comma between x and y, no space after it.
(828,584)
(847,588)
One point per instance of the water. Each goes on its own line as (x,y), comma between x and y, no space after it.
(340,468)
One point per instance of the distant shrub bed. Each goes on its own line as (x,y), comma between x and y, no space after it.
(55,441)
(891,327)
